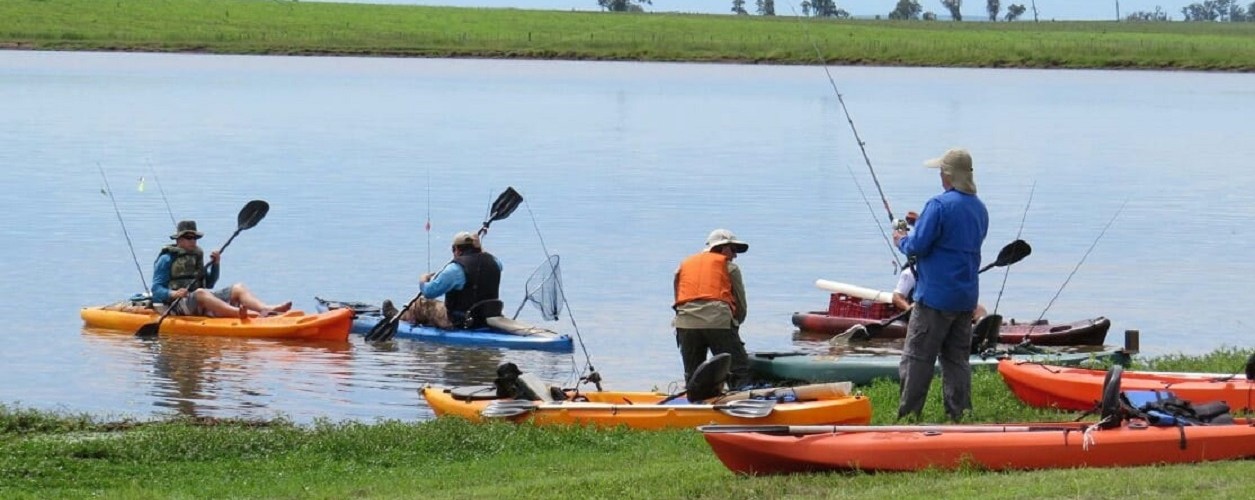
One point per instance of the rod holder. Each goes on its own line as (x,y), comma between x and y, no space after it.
(1132,341)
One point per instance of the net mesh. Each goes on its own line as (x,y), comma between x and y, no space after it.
(544,289)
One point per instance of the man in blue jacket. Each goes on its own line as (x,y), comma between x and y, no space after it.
(946,245)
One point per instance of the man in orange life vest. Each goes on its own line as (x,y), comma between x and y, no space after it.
(710,306)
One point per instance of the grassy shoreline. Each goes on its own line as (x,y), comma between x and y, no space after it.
(48,454)
(296,28)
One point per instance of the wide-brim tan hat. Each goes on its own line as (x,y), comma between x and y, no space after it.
(725,237)
(186,227)
(956,164)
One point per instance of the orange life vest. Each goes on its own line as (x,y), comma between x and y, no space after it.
(704,276)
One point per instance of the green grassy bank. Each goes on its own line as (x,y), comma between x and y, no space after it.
(45,455)
(285,27)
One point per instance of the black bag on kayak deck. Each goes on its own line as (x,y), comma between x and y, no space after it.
(1163,408)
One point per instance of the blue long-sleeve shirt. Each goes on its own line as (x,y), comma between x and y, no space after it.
(451,277)
(946,243)
(161,277)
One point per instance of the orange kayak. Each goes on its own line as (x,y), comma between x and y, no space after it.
(296,325)
(789,449)
(1079,389)
(642,410)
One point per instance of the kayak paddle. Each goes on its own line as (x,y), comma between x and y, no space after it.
(252,213)
(505,205)
(1014,252)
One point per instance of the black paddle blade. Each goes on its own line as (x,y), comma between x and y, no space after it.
(149,330)
(384,330)
(1014,252)
(252,213)
(503,207)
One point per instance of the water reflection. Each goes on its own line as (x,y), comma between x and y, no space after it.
(252,378)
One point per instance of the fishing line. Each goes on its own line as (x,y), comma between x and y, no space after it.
(892,251)
(109,191)
(1078,266)
(163,195)
(593,376)
(1018,232)
(846,110)
(427,226)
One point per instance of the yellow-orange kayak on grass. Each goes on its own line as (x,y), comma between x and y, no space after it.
(642,410)
(296,325)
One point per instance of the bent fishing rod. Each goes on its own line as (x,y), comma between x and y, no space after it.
(894,221)
(1018,232)
(109,191)
(593,377)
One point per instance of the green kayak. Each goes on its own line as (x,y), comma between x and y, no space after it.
(862,369)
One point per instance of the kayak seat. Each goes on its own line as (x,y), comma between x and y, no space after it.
(985,333)
(537,388)
(708,379)
(479,312)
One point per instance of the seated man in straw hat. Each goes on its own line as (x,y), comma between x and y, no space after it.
(181,281)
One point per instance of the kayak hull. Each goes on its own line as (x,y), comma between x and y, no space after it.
(640,410)
(863,369)
(1035,446)
(535,339)
(1080,389)
(294,325)
(1082,332)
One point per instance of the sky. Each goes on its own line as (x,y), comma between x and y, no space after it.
(974,9)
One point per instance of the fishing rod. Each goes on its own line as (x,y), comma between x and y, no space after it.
(1018,232)
(894,221)
(109,191)
(163,194)
(1074,269)
(593,377)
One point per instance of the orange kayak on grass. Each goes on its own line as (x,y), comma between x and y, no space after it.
(1080,389)
(642,410)
(789,449)
(295,325)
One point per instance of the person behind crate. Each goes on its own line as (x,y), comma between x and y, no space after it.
(710,306)
(175,274)
(906,281)
(470,285)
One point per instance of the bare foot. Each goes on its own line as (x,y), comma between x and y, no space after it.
(282,308)
(243,313)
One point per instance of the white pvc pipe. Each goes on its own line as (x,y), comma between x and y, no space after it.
(855,291)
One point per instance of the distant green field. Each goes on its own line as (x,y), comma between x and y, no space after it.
(285,27)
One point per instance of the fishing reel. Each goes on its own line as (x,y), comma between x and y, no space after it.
(901,225)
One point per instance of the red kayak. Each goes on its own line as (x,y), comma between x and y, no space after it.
(1079,389)
(845,311)
(757,450)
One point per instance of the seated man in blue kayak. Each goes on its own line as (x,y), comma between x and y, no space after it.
(470,284)
(180,280)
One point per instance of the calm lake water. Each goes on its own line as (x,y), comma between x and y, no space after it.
(625,168)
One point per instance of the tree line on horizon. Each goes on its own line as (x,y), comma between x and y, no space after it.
(911,10)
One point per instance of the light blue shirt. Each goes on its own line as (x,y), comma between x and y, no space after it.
(451,277)
(946,243)
(161,277)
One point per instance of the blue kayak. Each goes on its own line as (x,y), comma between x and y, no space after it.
(514,334)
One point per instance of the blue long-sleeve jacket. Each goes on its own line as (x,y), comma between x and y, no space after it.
(451,277)
(161,278)
(946,243)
